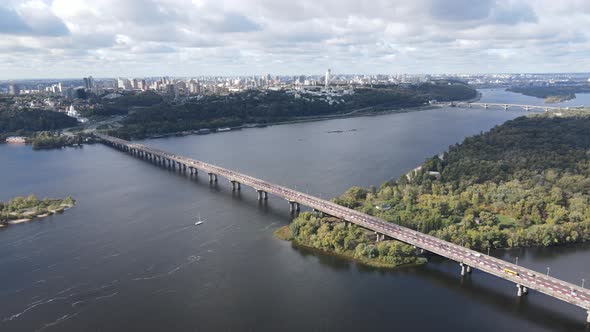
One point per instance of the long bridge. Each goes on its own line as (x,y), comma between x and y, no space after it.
(509,106)
(524,279)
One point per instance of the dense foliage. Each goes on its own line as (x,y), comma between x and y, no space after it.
(31,206)
(566,91)
(331,235)
(274,106)
(49,140)
(121,105)
(524,183)
(22,121)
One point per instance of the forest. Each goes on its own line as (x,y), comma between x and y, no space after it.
(24,121)
(257,106)
(564,91)
(49,140)
(523,183)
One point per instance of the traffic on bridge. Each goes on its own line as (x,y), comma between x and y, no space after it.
(524,279)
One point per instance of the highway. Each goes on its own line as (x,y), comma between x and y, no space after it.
(523,278)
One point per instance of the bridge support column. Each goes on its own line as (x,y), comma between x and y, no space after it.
(462,269)
(588,318)
(184,168)
(468,269)
(262,195)
(212,177)
(519,291)
(293,206)
(235,185)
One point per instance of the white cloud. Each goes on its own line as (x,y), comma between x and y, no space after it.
(200,37)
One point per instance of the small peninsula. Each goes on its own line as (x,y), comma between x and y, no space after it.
(23,209)
(523,183)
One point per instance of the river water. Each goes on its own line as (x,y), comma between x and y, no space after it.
(128,257)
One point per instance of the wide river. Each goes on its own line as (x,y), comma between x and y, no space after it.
(128,257)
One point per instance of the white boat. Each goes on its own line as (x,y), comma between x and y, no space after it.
(200,221)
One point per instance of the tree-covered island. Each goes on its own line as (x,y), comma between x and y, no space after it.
(552,94)
(523,183)
(23,209)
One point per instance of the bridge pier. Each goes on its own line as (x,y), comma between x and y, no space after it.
(262,194)
(468,269)
(380,237)
(293,206)
(505,107)
(519,290)
(588,318)
(235,185)
(486,106)
(462,269)
(212,177)
(184,168)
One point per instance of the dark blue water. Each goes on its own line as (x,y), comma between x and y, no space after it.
(128,256)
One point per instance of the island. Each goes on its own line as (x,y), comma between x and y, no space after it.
(523,183)
(24,209)
(552,93)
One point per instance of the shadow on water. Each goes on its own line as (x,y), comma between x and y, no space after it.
(434,272)
(518,307)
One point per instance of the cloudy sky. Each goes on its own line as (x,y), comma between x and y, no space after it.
(107,38)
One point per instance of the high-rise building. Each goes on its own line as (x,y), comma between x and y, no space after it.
(328,73)
(12,89)
(88,83)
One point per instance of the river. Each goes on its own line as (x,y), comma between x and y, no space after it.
(128,256)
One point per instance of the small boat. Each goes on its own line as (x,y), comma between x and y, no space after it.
(200,221)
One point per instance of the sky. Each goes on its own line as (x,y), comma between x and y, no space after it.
(140,38)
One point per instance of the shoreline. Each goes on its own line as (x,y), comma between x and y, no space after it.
(353,114)
(36,217)
(279,233)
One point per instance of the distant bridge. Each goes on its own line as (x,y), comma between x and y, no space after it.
(509,106)
(523,278)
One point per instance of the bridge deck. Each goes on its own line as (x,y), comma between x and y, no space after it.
(553,287)
(524,107)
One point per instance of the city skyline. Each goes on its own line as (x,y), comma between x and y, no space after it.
(60,39)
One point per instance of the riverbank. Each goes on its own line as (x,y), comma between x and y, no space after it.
(332,236)
(20,209)
(365,112)
(505,188)
(284,233)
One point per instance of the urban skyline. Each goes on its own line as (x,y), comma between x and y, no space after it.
(60,39)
